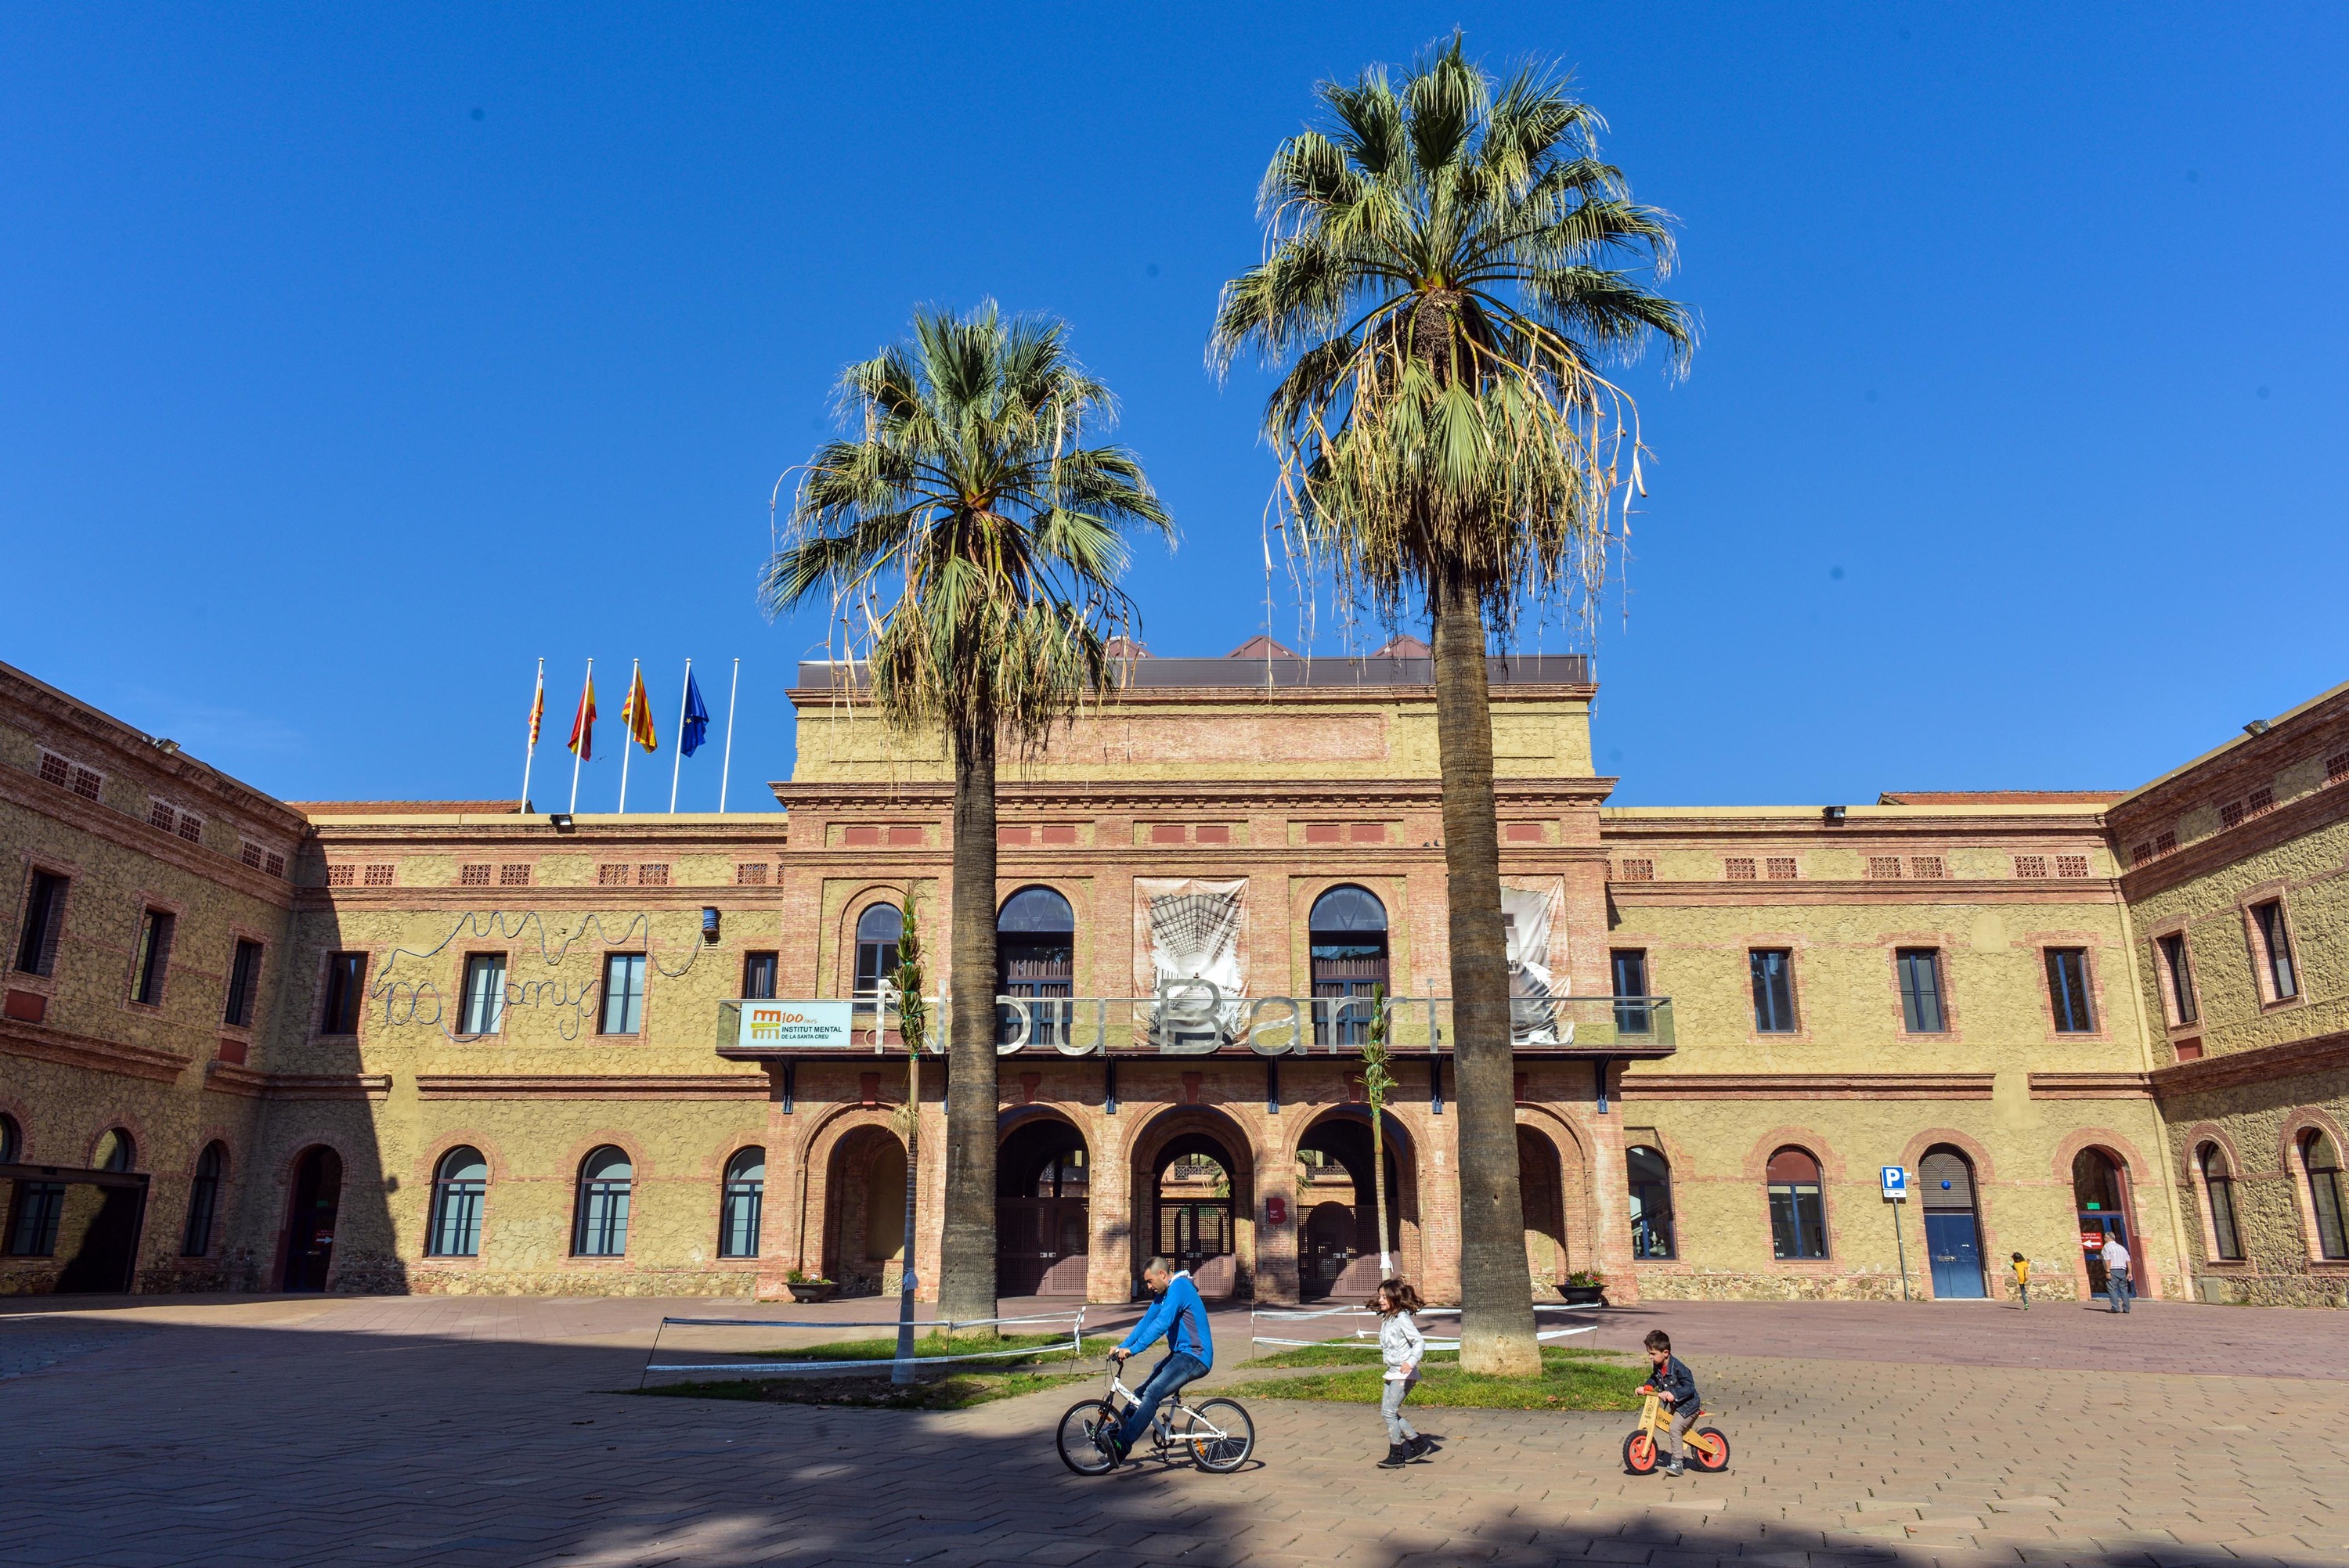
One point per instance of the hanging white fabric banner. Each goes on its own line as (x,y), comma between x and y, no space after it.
(1195,934)
(1533,916)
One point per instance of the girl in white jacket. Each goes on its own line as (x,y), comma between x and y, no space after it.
(1402,1348)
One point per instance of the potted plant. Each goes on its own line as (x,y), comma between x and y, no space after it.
(1584,1288)
(807,1287)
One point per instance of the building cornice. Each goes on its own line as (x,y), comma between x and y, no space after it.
(224,1078)
(2296,818)
(2266,1064)
(137,835)
(39,1042)
(592,1086)
(1765,894)
(935,797)
(1807,1086)
(2090,1086)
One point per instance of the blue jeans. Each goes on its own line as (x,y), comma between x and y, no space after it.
(1165,1379)
(2117,1289)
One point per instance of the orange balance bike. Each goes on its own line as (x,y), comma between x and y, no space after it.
(1707,1446)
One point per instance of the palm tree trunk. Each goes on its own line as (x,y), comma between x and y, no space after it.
(966,1260)
(1496,1292)
(903,1371)
(1379,1182)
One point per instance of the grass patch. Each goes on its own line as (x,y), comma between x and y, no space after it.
(1336,1353)
(955,1385)
(1569,1380)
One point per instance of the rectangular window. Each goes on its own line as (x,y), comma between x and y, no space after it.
(652,874)
(192,828)
(1920,990)
(513,873)
(57,770)
(2230,814)
(1737,868)
(1781,867)
(611,876)
(750,874)
(2165,843)
(1884,868)
(378,876)
(2275,940)
(45,919)
(2031,867)
(1927,868)
(248,854)
(154,957)
(85,782)
(2178,969)
(758,976)
(2140,853)
(346,985)
(1774,990)
(484,1005)
(1631,1018)
(624,994)
(2336,767)
(244,983)
(273,863)
(1638,870)
(2262,799)
(160,815)
(32,1226)
(338,876)
(474,874)
(2071,865)
(2067,990)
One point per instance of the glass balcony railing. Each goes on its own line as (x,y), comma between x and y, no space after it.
(1196,1019)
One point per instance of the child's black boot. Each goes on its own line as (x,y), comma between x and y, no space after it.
(1420,1446)
(1398,1455)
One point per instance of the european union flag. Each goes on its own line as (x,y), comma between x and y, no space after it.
(696,719)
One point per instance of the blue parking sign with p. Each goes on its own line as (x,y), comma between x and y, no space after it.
(1896,1183)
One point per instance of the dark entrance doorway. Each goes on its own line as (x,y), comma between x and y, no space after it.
(1044,1225)
(2098,1195)
(1952,1225)
(1340,1235)
(1194,1219)
(310,1230)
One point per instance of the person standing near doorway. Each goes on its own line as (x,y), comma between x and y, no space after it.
(2022,1280)
(2117,1289)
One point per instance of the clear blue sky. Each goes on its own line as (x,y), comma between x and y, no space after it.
(349,360)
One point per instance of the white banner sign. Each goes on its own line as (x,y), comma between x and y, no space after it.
(796,1026)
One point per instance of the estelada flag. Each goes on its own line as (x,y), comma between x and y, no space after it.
(583,725)
(637,713)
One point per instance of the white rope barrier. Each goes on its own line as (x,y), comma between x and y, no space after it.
(1075,1344)
(1364,1334)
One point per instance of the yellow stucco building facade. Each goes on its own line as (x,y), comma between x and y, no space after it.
(462,1046)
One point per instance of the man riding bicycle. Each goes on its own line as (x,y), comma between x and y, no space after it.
(1182,1317)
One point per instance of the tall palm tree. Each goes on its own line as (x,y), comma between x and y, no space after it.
(971,542)
(1442,285)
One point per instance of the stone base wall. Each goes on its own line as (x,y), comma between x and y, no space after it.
(1711,1287)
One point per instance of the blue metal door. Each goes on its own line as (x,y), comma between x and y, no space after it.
(1954,1244)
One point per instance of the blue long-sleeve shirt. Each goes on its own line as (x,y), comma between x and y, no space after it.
(1182,1317)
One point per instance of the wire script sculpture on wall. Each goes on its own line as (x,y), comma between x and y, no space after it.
(570,1006)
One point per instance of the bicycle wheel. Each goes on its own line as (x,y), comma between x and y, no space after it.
(1078,1449)
(1228,1453)
(1710,1451)
(1639,1453)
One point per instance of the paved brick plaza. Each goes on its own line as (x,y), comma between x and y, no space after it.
(470,1431)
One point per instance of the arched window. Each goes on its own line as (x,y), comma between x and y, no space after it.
(1036,956)
(739,1204)
(1348,931)
(877,931)
(460,1183)
(1798,1210)
(12,1140)
(2219,1192)
(2323,1162)
(601,1230)
(116,1150)
(204,1201)
(1652,1202)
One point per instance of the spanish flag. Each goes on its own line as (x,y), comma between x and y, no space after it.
(583,725)
(637,713)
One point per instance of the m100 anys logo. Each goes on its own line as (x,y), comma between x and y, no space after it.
(809,1025)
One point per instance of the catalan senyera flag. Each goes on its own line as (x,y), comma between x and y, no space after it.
(637,713)
(583,725)
(537,710)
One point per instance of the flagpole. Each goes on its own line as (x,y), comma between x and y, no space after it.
(727,766)
(529,750)
(677,766)
(628,728)
(574,738)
